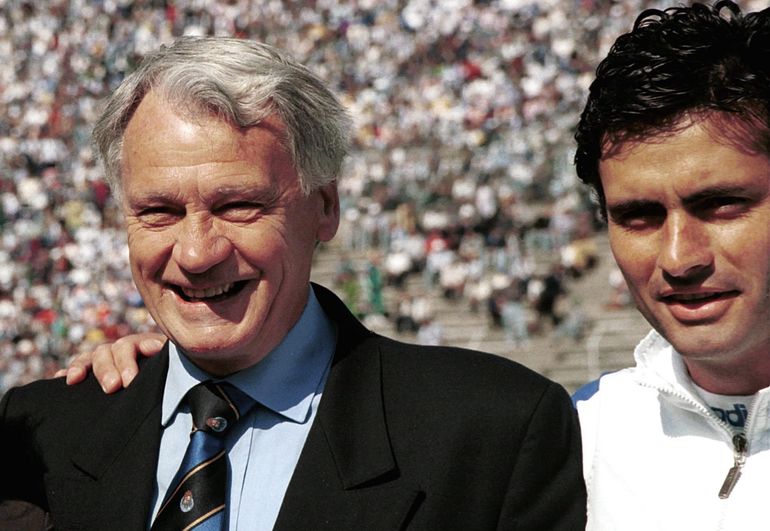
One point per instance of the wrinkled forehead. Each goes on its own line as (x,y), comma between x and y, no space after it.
(157,110)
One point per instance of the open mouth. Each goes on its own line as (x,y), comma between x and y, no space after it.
(214,294)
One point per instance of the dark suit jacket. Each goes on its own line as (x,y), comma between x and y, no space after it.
(406,437)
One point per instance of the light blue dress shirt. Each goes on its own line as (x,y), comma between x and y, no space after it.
(266,444)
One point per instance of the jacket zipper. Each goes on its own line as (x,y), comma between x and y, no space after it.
(739,440)
(733,475)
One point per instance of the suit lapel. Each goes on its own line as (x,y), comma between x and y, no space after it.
(119,467)
(347,475)
(126,417)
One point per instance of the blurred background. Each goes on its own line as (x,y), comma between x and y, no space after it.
(463,222)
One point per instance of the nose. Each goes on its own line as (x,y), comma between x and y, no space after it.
(200,246)
(685,249)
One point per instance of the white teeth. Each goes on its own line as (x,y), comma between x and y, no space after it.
(208,292)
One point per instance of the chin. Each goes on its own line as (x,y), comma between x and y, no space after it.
(211,349)
(704,344)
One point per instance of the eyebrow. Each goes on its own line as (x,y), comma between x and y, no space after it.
(714,192)
(623,207)
(234,190)
(619,209)
(151,197)
(263,195)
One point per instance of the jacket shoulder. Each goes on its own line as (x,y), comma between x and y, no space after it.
(466,381)
(52,397)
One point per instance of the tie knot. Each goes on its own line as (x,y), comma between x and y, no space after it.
(215,407)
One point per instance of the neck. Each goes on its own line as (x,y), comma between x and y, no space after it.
(738,381)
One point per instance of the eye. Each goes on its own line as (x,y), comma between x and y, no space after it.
(159,215)
(239,211)
(723,206)
(638,217)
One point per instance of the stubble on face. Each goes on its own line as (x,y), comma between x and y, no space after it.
(689,225)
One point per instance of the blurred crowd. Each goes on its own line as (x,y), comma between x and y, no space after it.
(461,171)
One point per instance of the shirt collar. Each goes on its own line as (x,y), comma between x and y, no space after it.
(285,381)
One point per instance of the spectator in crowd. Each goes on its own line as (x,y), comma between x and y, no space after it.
(375,284)
(404,316)
(398,265)
(347,281)
(513,315)
(547,297)
(430,331)
(675,141)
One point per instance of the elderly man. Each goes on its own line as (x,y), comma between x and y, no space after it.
(270,407)
(675,140)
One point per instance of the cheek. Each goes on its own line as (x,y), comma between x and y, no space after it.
(277,241)
(148,250)
(757,265)
(634,255)
(262,247)
(746,251)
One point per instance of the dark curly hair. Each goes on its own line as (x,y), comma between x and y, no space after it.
(696,60)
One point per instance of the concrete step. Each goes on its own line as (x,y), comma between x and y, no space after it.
(607,345)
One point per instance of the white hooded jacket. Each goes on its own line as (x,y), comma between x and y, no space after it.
(655,456)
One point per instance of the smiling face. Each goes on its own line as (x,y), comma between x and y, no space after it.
(689,225)
(220,234)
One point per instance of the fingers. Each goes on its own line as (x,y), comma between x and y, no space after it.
(114,364)
(150,344)
(78,368)
(105,369)
(126,350)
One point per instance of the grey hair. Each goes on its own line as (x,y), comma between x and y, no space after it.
(242,82)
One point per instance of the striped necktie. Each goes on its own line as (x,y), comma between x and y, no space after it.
(196,498)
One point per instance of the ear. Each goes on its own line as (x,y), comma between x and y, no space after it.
(329,219)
